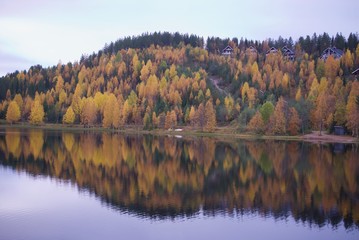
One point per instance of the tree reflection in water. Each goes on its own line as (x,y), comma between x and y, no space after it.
(165,177)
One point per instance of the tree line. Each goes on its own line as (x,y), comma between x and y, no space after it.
(166,84)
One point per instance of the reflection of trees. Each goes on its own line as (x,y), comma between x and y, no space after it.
(12,140)
(157,176)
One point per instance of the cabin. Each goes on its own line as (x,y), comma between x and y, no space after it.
(227,51)
(339,130)
(251,50)
(332,51)
(272,50)
(288,53)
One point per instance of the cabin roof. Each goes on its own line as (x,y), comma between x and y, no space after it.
(287,50)
(333,50)
(272,50)
(228,48)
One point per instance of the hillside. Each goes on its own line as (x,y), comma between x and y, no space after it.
(162,80)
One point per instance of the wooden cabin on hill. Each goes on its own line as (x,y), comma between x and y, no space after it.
(272,50)
(227,51)
(288,53)
(331,51)
(251,50)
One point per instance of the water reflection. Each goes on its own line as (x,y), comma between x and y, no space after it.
(164,177)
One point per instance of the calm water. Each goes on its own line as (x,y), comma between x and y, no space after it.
(60,185)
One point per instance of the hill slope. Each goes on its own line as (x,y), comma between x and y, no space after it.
(165,80)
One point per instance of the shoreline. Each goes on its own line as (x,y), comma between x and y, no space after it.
(220,132)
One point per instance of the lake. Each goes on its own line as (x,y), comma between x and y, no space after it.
(63,185)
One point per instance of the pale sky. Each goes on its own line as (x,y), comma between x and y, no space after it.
(46,32)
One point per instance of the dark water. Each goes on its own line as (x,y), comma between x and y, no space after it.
(60,185)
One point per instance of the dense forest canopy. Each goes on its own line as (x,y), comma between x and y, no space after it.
(162,80)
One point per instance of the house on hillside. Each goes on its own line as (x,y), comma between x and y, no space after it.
(332,51)
(251,51)
(339,130)
(272,50)
(227,51)
(288,53)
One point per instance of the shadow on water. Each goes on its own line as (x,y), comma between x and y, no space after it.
(163,177)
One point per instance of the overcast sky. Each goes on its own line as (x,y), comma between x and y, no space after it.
(46,32)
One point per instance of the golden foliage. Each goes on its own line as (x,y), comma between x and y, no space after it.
(210,117)
(37,112)
(278,120)
(69,116)
(88,111)
(13,112)
(353,110)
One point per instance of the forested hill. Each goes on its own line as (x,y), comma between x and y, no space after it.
(162,80)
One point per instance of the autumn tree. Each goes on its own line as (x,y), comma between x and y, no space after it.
(298,95)
(171,120)
(100,101)
(59,84)
(192,116)
(229,104)
(28,101)
(278,123)
(13,112)
(200,116)
(244,91)
(151,89)
(313,93)
(146,70)
(348,59)
(324,110)
(147,121)
(353,110)
(155,120)
(210,117)
(37,112)
(116,118)
(126,111)
(76,99)
(340,112)
(19,101)
(252,94)
(174,118)
(293,122)
(108,113)
(256,124)
(88,112)
(69,116)
(332,67)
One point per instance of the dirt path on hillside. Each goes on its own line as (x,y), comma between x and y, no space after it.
(215,80)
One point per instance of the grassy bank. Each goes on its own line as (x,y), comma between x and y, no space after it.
(220,132)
